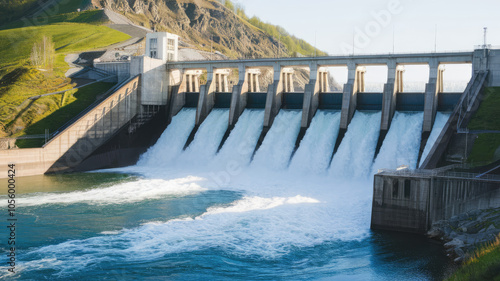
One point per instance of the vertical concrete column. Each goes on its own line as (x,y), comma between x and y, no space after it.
(431,96)
(440,82)
(190,81)
(311,95)
(239,94)
(349,95)
(256,81)
(178,91)
(207,95)
(290,81)
(225,83)
(391,89)
(274,95)
(197,82)
(323,80)
(285,82)
(251,85)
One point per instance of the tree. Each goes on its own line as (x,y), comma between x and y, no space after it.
(43,53)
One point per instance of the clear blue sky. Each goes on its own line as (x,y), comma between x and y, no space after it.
(331,24)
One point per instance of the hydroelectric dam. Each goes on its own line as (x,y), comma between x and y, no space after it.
(349,134)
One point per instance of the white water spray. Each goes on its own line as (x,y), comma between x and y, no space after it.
(277,147)
(439,122)
(354,156)
(402,142)
(316,148)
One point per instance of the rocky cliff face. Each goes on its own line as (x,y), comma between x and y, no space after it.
(199,22)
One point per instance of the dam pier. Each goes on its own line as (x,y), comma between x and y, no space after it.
(151,91)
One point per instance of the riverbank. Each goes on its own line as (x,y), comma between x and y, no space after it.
(463,234)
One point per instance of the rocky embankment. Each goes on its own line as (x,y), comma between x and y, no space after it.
(464,233)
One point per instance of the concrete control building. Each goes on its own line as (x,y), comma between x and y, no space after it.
(162,45)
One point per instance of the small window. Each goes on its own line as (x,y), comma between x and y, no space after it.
(153,43)
(153,54)
(395,188)
(407,190)
(170,44)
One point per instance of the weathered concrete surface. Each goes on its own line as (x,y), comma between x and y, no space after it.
(80,139)
(432,90)
(239,96)
(216,80)
(274,97)
(423,58)
(355,83)
(311,95)
(411,202)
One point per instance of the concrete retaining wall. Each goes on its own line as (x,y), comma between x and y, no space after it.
(120,69)
(80,139)
(411,203)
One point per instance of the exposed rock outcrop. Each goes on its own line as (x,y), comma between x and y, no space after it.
(464,233)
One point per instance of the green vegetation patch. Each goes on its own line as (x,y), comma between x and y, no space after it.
(69,105)
(12,11)
(487,116)
(483,151)
(16,44)
(485,265)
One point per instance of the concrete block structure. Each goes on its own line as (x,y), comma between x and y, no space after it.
(411,201)
(162,45)
(174,85)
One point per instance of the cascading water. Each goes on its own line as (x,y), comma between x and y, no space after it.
(402,142)
(207,139)
(171,143)
(354,156)
(277,147)
(241,143)
(315,150)
(439,122)
(266,223)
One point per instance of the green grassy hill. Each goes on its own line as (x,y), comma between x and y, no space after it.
(70,32)
(485,149)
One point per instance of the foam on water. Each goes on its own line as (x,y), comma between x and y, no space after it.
(253,226)
(402,142)
(280,211)
(240,144)
(119,194)
(207,139)
(315,150)
(279,143)
(171,143)
(354,156)
(439,122)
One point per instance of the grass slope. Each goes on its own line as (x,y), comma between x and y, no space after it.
(485,265)
(486,118)
(15,10)
(72,103)
(19,80)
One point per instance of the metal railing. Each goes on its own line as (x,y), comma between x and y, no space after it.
(443,172)
(90,107)
(470,94)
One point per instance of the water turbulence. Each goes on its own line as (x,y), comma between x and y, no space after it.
(355,154)
(439,122)
(207,138)
(240,145)
(402,143)
(171,143)
(277,147)
(315,150)
(269,223)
